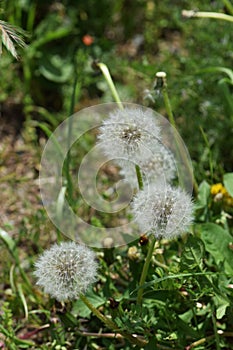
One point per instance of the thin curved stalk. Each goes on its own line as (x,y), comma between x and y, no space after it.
(104,69)
(200,14)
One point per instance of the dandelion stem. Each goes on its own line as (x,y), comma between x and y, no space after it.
(168,105)
(145,270)
(200,14)
(139,177)
(108,322)
(104,69)
(69,136)
(162,82)
(112,325)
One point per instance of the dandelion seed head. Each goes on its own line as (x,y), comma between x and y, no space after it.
(160,165)
(66,270)
(128,133)
(163,211)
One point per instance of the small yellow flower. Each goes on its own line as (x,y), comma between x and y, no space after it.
(218,188)
(220,193)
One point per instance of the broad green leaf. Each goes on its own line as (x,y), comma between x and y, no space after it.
(81,310)
(203,195)
(185,328)
(187,316)
(192,254)
(221,305)
(228,183)
(217,241)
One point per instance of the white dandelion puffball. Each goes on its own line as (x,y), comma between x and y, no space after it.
(66,270)
(129,133)
(160,166)
(164,211)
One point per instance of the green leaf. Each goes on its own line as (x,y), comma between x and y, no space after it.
(49,134)
(192,254)
(203,195)
(55,68)
(184,327)
(81,310)
(226,96)
(48,37)
(221,305)
(217,241)
(228,183)
(227,71)
(60,203)
(23,300)
(10,243)
(187,316)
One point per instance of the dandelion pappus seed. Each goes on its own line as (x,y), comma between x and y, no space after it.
(66,270)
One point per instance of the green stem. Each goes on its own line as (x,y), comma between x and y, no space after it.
(108,322)
(168,106)
(24,276)
(104,69)
(161,77)
(70,126)
(139,177)
(160,264)
(112,325)
(215,15)
(145,271)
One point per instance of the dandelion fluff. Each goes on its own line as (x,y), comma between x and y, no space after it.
(65,271)
(160,165)
(164,211)
(129,133)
